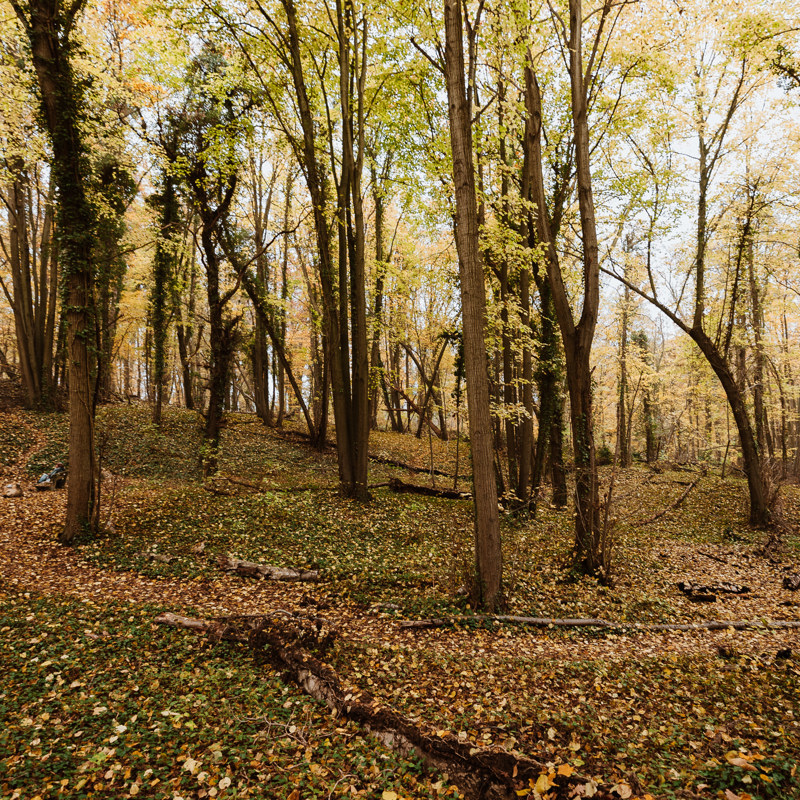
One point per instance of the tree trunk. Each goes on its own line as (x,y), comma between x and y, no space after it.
(578,337)
(488,588)
(287,190)
(759,495)
(48,26)
(623,437)
(22,302)
(163,272)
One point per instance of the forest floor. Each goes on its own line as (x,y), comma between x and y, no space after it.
(97,701)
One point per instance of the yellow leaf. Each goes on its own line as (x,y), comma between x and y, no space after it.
(566,770)
(388,795)
(735,758)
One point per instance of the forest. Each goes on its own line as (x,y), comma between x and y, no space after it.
(399,401)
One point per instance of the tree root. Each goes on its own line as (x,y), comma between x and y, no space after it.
(482,773)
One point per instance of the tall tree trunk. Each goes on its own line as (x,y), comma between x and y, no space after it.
(221,335)
(577,338)
(287,191)
(185,331)
(557,470)
(163,274)
(759,495)
(377,377)
(48,25)
(488,589)
(623,437)
(22,301)
(757,319)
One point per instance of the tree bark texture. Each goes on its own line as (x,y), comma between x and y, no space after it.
(577,338)
(48,25)
(488,556)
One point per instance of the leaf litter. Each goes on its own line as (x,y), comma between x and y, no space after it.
(653,714)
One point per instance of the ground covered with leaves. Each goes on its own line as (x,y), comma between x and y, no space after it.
(665,714)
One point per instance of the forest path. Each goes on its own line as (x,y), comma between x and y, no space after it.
(32,561)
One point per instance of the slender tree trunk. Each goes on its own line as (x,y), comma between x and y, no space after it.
(578,337)
(22,302)
(163,273)
(376,362)
(557,469)
(488,589)
(287,207)
(623,438)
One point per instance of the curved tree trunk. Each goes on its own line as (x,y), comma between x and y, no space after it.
(753,467)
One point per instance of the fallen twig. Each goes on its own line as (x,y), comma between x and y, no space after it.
(713,558)
(671,506)
(625,627)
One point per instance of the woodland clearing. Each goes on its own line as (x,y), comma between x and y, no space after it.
(98,701)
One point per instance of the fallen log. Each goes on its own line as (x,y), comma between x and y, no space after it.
(249,569)
(396,485)
(704,593)
(393,462)
(671,506)
(489,773)
(622,627)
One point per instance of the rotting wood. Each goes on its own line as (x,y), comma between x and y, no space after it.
(396,485)
(671,506)
(724,587)
(622,627)
(249,569)
(491,774)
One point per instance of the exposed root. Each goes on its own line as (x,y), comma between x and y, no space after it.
(493,774)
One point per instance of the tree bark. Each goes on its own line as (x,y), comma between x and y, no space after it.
(488,589)
(48,26)
(578,337)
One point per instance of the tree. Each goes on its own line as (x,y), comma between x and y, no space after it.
(200,143)
(31,254)
(164,276)
(113,190)
(49,25)
(725,73)
(488,586)
(590,554)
